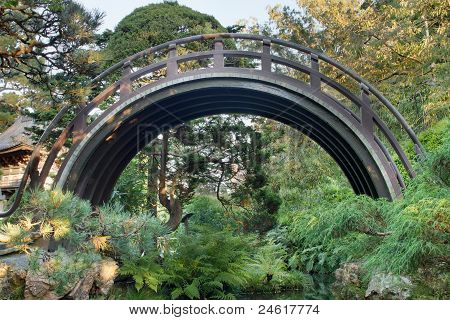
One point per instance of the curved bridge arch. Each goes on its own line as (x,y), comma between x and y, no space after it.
(135,114)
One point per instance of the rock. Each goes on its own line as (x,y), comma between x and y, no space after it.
(12,276)
(99,279)
(17,282)
(348,274)
(108,271)
(388,287)
(17,261)
(4,281)
(347,285)
(40,287)
(5,250)
(84,286)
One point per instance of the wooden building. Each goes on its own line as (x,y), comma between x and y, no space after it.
(15,150)
(16,147)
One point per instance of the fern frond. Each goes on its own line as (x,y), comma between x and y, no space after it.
(191,291)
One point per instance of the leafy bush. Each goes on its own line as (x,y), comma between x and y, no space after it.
(131,188)
(396,237)
(207,265)
(437,136)
(271,270)
(330,234)
(63,269)
(128,237)
(63,216)
(50,214)
(207,210)
(134,240)
(419,224)
(145,271)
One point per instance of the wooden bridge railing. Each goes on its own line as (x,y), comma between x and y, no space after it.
(133,68)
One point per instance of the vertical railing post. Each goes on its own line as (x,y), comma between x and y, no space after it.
(218,53)
(34,172)
(366,109)
(266,60)
(172,64)
(315,75)
(125,86)
(79,126)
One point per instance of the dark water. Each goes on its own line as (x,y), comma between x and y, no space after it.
(321,290)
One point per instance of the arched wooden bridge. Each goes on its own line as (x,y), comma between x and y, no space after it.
(166,85)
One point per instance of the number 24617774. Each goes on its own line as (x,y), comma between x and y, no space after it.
(289,309)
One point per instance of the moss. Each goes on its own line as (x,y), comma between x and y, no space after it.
(349,292)
(432,283)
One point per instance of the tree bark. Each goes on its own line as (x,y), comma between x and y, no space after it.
(152,181)
(168,199)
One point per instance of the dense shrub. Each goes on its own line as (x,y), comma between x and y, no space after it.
(208,264)
(397,237)
(63,268)
(69,221)
(271,270)
(419,224)
(207,210)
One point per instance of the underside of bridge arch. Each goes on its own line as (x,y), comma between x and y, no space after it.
(93,166)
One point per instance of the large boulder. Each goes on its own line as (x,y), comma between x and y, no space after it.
(17,281)
(347,283)
(39,286)
(348,274)
(13,271)
(388,287)
(98,280)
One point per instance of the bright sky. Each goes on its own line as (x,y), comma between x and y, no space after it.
(228,12)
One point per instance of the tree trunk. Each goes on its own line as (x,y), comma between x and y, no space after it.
(152,181)
(175,211)
(168,199)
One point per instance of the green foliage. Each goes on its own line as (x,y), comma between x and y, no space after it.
(63,216)
(145,271)
(48,214)
(130,293)
(10,105)
(48,56)
(129,236)
(420,222)
(207,210)
(396,237)
(401,46)
(333,233)
(436,136)
(264,206)
(154,24)
(207,265)
(63,268)
(271,270)
(42,36)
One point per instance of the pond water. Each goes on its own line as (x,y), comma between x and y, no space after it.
(321,290)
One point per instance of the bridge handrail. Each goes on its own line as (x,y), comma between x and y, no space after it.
(320,55)
(121,65)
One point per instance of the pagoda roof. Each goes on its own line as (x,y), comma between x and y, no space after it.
(16,137)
